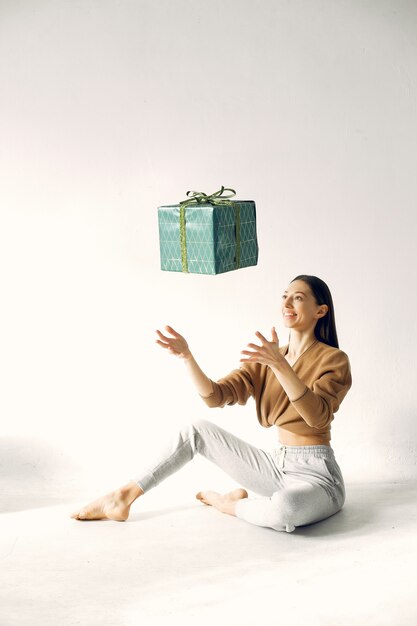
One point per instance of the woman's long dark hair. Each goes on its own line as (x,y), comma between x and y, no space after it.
(325,329)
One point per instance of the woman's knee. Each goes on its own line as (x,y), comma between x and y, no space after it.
(199,427)
(299,507)
(283,508)
(201,424)
(196,432)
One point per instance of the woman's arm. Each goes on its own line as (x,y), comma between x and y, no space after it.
(178,346)
(290,382)
(235,388)
(317,405)
(269,354)
(202,382)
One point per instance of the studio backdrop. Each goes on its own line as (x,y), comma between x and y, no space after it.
(112,109)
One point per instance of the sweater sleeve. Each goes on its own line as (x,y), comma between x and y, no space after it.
(236,387)
(318,404)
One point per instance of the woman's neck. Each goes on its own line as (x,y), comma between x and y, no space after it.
(299,342)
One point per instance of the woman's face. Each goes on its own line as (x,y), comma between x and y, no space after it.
(299,307)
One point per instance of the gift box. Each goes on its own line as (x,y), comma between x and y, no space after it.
(208,234)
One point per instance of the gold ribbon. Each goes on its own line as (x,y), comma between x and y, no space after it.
(183,240)
(217,198)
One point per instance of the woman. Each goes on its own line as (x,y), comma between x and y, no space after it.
(298,388)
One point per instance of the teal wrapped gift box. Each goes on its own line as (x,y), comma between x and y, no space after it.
(208,234)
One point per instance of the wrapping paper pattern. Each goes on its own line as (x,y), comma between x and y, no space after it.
(218,238)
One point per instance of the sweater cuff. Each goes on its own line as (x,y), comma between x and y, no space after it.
(313,409)
(302,395)
(214,399)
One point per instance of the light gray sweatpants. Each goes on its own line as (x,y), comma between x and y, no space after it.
(297,485)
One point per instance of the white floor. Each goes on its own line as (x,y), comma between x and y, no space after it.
(188,564)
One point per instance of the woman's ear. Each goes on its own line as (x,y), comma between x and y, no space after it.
(322,310)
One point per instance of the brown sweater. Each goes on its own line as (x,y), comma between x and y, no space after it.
(324,369)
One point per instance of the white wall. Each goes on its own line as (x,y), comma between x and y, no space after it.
(111,108)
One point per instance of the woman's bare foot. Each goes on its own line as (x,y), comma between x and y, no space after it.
(114,506)
(222,502)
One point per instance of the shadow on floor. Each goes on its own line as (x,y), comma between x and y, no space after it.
(145,515)
(365,504)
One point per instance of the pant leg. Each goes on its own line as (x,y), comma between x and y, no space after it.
(299,504)
(312,490)
(251,467)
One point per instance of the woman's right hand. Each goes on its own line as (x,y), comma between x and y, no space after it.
(175,345)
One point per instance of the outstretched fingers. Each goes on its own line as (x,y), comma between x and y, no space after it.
(261,337)
(172,331)
(165,340)
(274,334)
(249,352)
(251,356)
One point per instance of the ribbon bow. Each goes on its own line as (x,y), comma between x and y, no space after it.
(199,197)
(216,198)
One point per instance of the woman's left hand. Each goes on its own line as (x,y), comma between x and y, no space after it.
(266,354)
